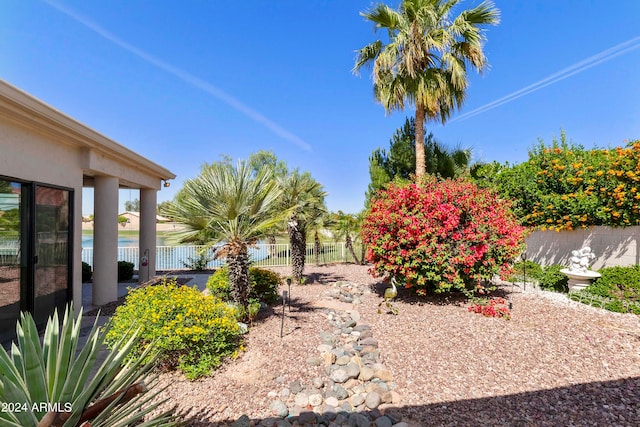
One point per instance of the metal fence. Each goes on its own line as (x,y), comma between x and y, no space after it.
(262,255)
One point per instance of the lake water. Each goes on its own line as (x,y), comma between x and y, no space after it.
(123,241)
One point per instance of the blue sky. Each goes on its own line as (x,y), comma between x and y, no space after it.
(183,83)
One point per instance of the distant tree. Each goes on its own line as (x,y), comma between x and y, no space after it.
(278,168)
(347,227)
(399,162)
(267,158)
(425,60)
(5,186)
(123,220)
(132,205)
(163,205)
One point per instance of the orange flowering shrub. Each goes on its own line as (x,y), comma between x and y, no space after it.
(564,186)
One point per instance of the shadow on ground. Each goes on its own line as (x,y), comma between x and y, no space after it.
(609,403)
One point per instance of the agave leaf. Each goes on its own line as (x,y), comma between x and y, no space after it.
(13,393)
(34,376)
(83,363)
(49,350)
(10,375)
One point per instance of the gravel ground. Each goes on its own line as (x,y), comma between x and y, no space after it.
(554,363)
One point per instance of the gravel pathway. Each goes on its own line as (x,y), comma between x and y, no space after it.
(555,362)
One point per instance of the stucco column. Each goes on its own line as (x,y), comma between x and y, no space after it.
(105,240)
(148,202)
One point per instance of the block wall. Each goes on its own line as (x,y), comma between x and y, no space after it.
(612,246)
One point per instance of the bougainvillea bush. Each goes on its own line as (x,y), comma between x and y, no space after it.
(441,236)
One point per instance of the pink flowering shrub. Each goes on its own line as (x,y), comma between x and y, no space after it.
(440,236)
(495,307)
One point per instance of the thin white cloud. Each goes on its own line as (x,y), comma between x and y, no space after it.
(184,76)
(578,67)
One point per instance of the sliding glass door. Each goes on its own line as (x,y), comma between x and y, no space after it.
(35,252)
(11,290)
(52,272)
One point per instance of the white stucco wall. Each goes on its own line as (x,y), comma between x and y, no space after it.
(30,156)
(612,246)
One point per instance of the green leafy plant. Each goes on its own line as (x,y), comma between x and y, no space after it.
(125,271)
(199,262)
(441,235)
(56,382)
(263,284)
(531,269)
(193,332)
(621,283)
(86,272)
(611,304)
(552,279)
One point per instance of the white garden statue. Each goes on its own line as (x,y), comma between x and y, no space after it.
(578,272)
(580,260)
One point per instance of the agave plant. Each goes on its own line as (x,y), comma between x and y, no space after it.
(57,384)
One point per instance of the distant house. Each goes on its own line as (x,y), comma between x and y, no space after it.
(47,158)
(133,222)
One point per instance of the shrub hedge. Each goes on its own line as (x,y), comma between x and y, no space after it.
(264,284)
(193,332)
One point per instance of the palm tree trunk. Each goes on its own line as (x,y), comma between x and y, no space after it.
(238,263)
(317,247)
(349,243)
(272,246)
(421,163)
(298,243)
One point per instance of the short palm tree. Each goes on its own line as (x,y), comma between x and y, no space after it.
(55,382)
(232,206)
(319,221)
(425,60)
(304,197)
(348,226)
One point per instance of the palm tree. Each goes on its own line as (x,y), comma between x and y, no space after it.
(347,226)
(318,222)
(228,205)
(304,196)
(425,61)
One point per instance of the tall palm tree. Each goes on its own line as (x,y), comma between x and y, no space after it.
(232,206)
(425,61)
(304,196)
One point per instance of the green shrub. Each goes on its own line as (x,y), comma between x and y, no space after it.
(531,269)
(193,332)
(86,272)
(264,284)
(552,279)
(621,283)
(125,271)
(199,262)
(218,284)
(616,305)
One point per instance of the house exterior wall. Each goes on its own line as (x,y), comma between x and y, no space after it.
(41,145)
(31,156)
(611,246)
